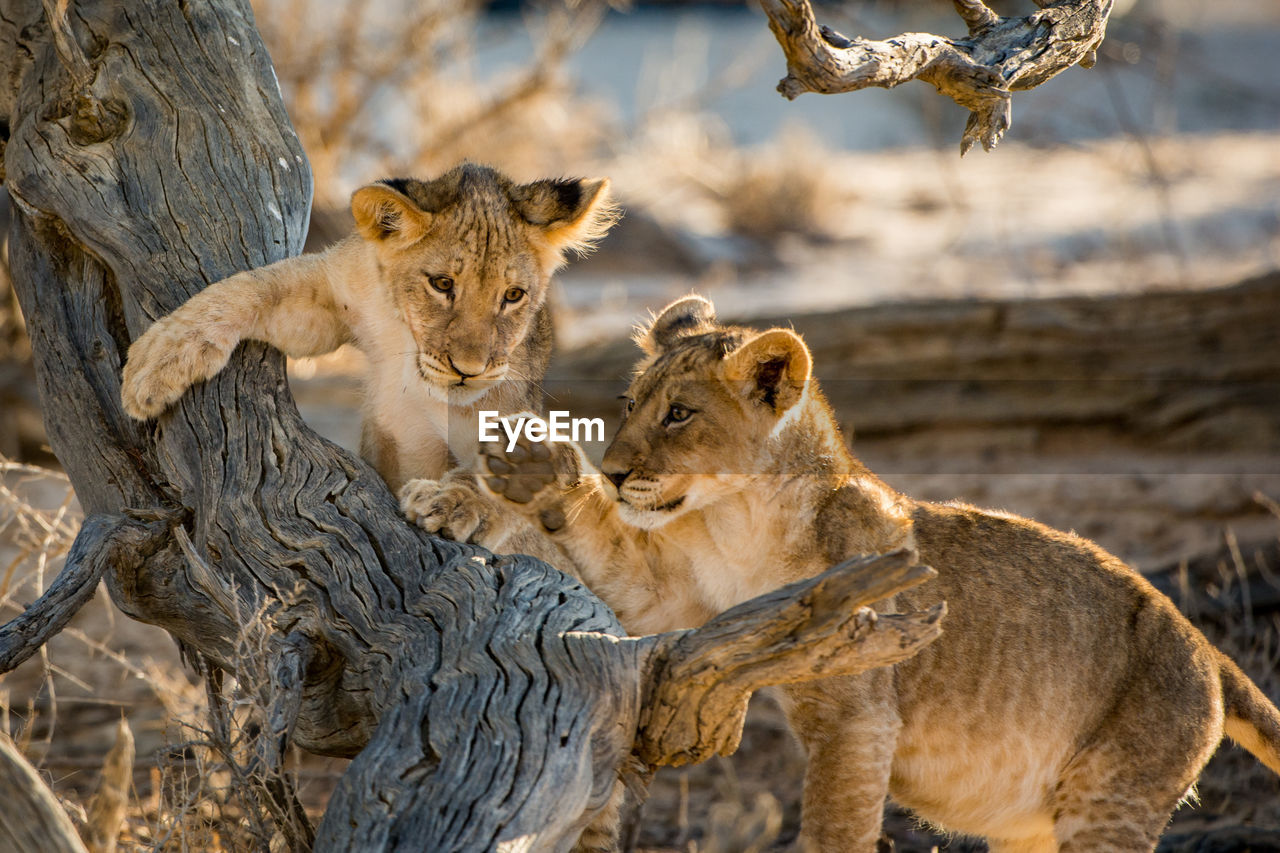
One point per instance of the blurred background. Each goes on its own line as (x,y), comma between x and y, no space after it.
(1082,326)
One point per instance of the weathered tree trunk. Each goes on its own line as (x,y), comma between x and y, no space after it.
(490,701)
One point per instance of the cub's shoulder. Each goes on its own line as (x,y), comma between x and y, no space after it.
(862,516)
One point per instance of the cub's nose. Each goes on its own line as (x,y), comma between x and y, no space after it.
(466,369)
(618,477)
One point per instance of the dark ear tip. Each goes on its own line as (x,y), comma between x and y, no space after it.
(681,318)
(569,194)
(400,185)
(691,309)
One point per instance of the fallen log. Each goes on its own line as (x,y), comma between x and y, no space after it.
(1177,370)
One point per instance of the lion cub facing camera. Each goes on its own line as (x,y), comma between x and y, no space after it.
(1067,706)
(443,286)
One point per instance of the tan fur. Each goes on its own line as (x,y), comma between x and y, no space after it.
(435,358)
(1068,705)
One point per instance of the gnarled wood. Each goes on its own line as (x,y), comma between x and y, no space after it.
(999,56)
(489,702)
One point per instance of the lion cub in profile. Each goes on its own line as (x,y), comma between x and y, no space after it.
(1067,706)
(443,286)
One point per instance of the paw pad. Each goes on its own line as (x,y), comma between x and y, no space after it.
(520,473)
(552,519)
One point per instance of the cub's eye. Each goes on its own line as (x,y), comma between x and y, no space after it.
(513,295)
(676,414)
(441,283)
(628,404)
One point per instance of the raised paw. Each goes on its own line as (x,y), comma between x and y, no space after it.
(453,508)
(530,474)
(162,364)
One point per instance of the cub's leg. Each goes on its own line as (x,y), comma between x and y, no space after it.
(1117,794)
(453,507)
(849,729)
(288,304)
(1106,809)
(601,835)
(556,487)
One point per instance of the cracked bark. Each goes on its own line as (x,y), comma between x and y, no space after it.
(490,703)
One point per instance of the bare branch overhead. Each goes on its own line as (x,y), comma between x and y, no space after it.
(999,56)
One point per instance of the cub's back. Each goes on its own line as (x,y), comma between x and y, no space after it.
(1041,625)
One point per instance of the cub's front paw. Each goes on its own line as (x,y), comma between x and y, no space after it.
(162,364)
(452,508)
(532,475)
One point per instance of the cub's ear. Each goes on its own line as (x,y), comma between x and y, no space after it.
(691,315)
(572,213)
(774,367)
(383,213)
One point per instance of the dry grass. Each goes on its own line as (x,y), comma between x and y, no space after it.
(784,189)
(683,168)
(213,790)
(403,90)
(199,782)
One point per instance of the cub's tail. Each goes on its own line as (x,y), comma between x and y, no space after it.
(1251,720)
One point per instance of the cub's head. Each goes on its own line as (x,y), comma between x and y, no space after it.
(701,412)
(467,258)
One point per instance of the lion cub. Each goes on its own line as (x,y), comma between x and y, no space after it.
(443,286)
(1067,706)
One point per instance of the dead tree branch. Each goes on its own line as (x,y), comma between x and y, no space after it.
(696,705)
(979,72)
(103,542)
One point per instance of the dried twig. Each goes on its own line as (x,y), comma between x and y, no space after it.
(107,810)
